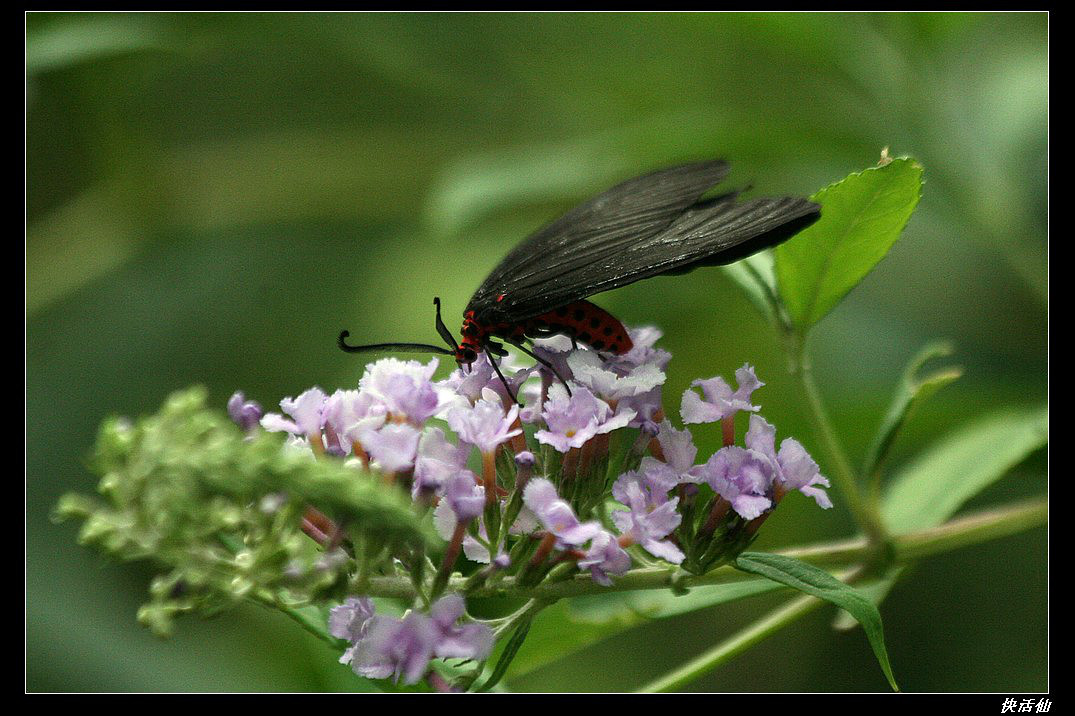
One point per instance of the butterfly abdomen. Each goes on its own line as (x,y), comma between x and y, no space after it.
(584,322)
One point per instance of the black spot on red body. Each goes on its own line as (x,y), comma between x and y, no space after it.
(584,322)
(575,320)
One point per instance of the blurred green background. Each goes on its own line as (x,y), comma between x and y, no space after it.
(212,197)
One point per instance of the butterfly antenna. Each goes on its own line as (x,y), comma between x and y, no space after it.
(411,347)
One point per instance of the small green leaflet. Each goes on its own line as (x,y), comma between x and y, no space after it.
(507,655)
(911,392)
(861,218)
(961,464)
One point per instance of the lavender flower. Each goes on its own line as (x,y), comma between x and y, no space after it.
(384,647)
(648,525)
(642,354)
(449,512)
(524,466)
(555,351)
(746,477)
(469,641)
(347,414)
(653,477)
(590,371)
(350,620)
(397,648)
(574,419)
(438,460)
(678,449)
(481,375)
(605,557)
(305,412)
(530,396)
(393,448)
(792,467)
(405,387)
(463,500)
(246,414)
(555,515)
(485,424)
(742,477)
(656,477)
(464,496)
(445,522)
(719,400)
(642,351)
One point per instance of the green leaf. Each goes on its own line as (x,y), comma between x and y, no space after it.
(571,625)
(657,604)
(910,393)
(819,583)
(875,590)
(930,490)
(938,481)
(861,218)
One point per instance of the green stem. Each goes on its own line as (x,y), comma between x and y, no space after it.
(840,471)
(527,611)
(973,529)
(737,644)
(316,626)
(969,530)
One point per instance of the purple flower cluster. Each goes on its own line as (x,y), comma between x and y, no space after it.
(484,424)
(604,557)
(629,383)
(573,420)
(384,421)
(394,422)
(384,647)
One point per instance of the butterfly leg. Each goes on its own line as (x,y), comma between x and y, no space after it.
(496,350)
(519,344)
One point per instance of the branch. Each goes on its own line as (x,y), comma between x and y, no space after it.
(961,532)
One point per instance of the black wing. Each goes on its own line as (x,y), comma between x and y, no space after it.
(647,226)
(634,210)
